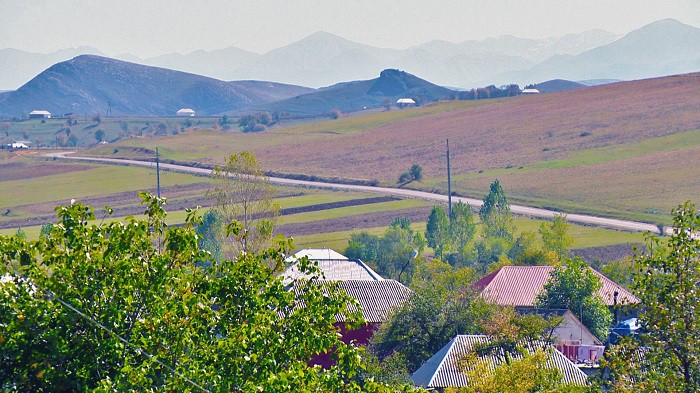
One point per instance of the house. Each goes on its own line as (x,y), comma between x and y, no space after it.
(335,266)
(185,112)
(518,286)
(530,91)
(39,115)
(445,368)
(405,102)
(18,145)
(376,300)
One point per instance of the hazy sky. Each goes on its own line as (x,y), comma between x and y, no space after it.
(152,27)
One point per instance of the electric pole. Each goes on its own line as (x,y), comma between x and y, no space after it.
(158,172)
(449,184)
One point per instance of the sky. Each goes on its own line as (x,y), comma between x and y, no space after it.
(152,27)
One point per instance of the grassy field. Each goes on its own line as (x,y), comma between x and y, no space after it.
(608,150)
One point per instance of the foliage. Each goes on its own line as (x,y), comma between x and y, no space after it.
(257,122)
(621,271)
(437,231)
(666,282)
(452,241)
(575,287)
(495,213)
(391,253)
(335,114)
(210,232)
(243,193)
(415,173)
(528,374)
(100,135)
(462,229)
(554,237)
(428,321)
(121,306)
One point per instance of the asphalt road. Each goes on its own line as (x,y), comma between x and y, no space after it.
(516,209)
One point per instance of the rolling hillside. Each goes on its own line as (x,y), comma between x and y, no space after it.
(358,95)
(606,149)
(556,85)
(92,84)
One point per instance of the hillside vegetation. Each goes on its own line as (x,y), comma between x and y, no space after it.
(543,134)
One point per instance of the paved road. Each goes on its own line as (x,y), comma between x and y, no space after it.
(517,209)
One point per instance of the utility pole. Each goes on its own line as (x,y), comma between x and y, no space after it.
(449,184)
(158,171)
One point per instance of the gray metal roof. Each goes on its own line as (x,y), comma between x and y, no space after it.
(376,298)
(335,270)
(442,371)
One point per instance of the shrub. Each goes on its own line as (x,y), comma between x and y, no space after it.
(335,114)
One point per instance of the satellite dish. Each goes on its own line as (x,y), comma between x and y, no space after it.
(414,254)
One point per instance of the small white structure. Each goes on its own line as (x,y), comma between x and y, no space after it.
(185,112)
(531,91)
(39,115)
(18,145)
(335,266)
(405,102)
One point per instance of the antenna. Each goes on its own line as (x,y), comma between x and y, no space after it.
(449,183)
(158,171)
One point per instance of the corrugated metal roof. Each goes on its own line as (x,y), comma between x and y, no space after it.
(442,369)
(335,270)
(405,101)
(40,113)
(376,298)
(318,254)
(519,286)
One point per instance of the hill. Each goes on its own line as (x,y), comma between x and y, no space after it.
(661,48)
(358,95)
(556,85)
(608,150)
(92,84)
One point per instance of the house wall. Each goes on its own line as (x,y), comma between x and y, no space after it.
(360,336)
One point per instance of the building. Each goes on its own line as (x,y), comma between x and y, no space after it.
(39,115)
(18,145)
(530,91)
(335,266)
(185,112)
(445,369)
(405,102)
(376,300)
(518,286)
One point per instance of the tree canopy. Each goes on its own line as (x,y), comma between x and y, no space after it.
(124,306)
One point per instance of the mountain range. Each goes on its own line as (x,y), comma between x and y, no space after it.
(91,84)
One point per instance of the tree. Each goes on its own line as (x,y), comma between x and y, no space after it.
(210,232)
(440,309)
(416,172)
(335,114)
(99,135)
(463,228)
(575,287)
(243,193)
(386,104)
(495,213)
(161,129)
(667,282)
(363,245)
(554,236)
(122,306)
(97,118)
(437,231)
(395,249)
(72,140)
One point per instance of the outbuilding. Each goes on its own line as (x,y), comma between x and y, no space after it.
(185,112)
(531,91)
(405,102)
(39,115)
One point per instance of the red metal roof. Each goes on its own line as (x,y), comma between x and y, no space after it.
(519,286)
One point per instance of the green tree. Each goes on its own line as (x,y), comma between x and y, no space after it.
(243,193)
(396,248)
(122,306)
(100,135)
(416,172)
(667,283)
(554,236)
(210,232)
(362,245)
(575,287)
(437,231)
(463,228)
(495,213)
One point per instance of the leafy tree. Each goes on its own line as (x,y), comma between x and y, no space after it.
(437,231)
(386,104)
(463,228)
(72,140)
(161,129)
(667,282)
(124,126)
(335,114)
(362,245)
(495,213)
(243,193)
(121,306)
(396,247)
(575,287)
(416,172)
(97,118)
(100,135)
(440,309)
(554,236)
(210,232)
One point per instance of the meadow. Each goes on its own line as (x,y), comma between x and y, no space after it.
(607,150)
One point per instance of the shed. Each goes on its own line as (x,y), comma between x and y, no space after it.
(530,91)
(405,102)
(39,114)
(185,112)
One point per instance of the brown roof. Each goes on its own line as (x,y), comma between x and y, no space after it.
(519,286)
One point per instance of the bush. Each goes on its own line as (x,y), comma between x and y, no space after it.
(335,114)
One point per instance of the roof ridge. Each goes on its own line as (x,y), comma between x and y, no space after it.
(451,344)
